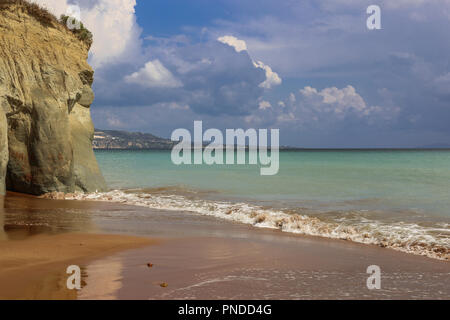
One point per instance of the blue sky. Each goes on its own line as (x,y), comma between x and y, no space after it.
(310,68)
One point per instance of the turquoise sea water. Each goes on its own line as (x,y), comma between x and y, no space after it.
(416,180)
(391,198)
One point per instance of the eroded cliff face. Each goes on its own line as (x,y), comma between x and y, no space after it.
(45,92)
(4,154)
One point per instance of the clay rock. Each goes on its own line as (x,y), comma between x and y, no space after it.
(45,90)
(4,154)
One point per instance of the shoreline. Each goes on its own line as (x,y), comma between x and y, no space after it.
(203,257)
(302,224)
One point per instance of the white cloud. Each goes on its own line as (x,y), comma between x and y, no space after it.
(337,103)
(342,103)
(110,120)
(237,44)
(57,7)
(272,78)
(175,106)
(154,75)
(264,105)
(324,108)
(335,100)
(112,23)
(292,97)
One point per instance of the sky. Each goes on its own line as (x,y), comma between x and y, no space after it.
(309,68)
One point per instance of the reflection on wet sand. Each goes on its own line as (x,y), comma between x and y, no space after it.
(102,279)
(26,216)
(233,268)
(2,219)
(41,238)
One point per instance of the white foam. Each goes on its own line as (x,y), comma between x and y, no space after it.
(406,237)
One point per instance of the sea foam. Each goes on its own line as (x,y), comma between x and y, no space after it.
(432,241)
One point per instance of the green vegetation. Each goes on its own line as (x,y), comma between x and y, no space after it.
(82,33)
(33,9)
(48,19)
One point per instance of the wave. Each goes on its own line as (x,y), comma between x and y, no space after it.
(431,240)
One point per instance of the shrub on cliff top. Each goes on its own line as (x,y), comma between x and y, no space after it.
(48,19)
(81,32)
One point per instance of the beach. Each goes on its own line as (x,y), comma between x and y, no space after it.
(152,151)
(191,257)
(396,199)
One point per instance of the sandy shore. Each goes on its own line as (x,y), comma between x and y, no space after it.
(285,268)
(33,259)
(35,268)
(195,257)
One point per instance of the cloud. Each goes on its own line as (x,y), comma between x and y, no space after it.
(272,78)
(334,100)
(112,23)
(323,109)
(57,7)
(114,121)
(342,103)
(324,46)
(442,85)
(264,105)
(116,33)
(218,80)
(211,78)
(154,75)
(238,45)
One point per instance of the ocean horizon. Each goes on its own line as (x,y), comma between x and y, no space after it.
(224,150)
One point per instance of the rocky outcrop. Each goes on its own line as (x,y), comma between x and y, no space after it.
(45,90)
(4,154)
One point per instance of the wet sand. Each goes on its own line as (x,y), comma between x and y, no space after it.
(291,268)
(34,260)
(200,257)
(35,268)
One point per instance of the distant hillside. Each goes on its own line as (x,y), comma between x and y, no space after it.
(123,140)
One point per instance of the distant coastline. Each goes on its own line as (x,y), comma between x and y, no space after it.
(124,140)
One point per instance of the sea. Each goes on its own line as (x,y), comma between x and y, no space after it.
(398,199)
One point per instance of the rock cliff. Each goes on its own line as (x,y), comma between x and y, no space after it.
(4,154)
(45,93)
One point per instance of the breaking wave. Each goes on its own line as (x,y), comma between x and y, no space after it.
(431,240)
